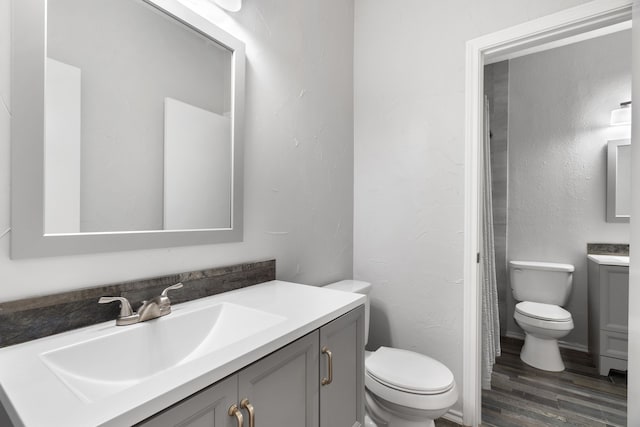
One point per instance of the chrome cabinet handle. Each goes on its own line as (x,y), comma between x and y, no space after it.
(244,403)
(235,412)
(327,381)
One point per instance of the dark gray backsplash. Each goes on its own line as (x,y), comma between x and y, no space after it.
(32,318)
(608,249)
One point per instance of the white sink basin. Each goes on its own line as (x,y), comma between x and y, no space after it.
(100,367)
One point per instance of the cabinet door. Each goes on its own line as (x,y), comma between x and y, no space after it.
(342,399)
(614,298)
(283,387)
(207,408)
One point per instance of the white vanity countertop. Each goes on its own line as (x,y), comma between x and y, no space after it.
(619,260)
(34,396)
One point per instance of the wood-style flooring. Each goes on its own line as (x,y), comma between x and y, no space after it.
(523,396)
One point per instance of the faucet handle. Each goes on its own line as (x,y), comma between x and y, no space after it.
(163,300)
(125,307)
(170,288)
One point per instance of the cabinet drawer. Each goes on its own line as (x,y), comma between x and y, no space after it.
(613,344)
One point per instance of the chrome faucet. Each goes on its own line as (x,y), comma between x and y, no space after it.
(157,307)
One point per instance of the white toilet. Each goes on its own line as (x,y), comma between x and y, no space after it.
(543,288)
(403,388)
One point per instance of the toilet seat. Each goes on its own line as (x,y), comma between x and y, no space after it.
(542,311)
(409,379)
(409,371)
(542,324)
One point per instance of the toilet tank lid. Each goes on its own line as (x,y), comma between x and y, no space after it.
(353,286)
(535,265)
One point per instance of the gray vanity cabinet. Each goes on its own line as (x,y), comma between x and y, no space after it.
(341,399)
(284,388)
(608,316)
(207,408)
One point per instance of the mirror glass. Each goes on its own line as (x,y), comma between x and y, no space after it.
(619,180)
(138,121)
(127,127)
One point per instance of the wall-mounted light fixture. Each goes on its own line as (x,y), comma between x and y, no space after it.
(230,5)
(621,116)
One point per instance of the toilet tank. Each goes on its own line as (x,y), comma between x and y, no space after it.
(544,282)
(357,287)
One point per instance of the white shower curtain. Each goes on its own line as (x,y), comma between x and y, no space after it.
(489,289)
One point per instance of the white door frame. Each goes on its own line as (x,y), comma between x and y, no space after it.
(504,44)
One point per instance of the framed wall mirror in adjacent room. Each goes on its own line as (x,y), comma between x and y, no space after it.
(127,127)
(619,180)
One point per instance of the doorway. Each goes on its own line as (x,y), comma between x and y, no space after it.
(583,21)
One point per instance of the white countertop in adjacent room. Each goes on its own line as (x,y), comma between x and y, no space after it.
(35,396)
(619,260)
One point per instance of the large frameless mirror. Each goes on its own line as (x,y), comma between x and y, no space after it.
(127,127)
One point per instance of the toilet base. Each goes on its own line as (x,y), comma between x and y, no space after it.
(380,413)
(542,353)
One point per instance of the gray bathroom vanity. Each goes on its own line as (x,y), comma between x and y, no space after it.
(273,354)
(608,311)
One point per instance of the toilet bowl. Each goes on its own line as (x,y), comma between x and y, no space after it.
(402,388)
(542,288)
(406,388)
(543,325)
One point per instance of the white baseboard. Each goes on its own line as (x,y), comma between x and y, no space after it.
(573,346)
(563,344)
(454,416)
